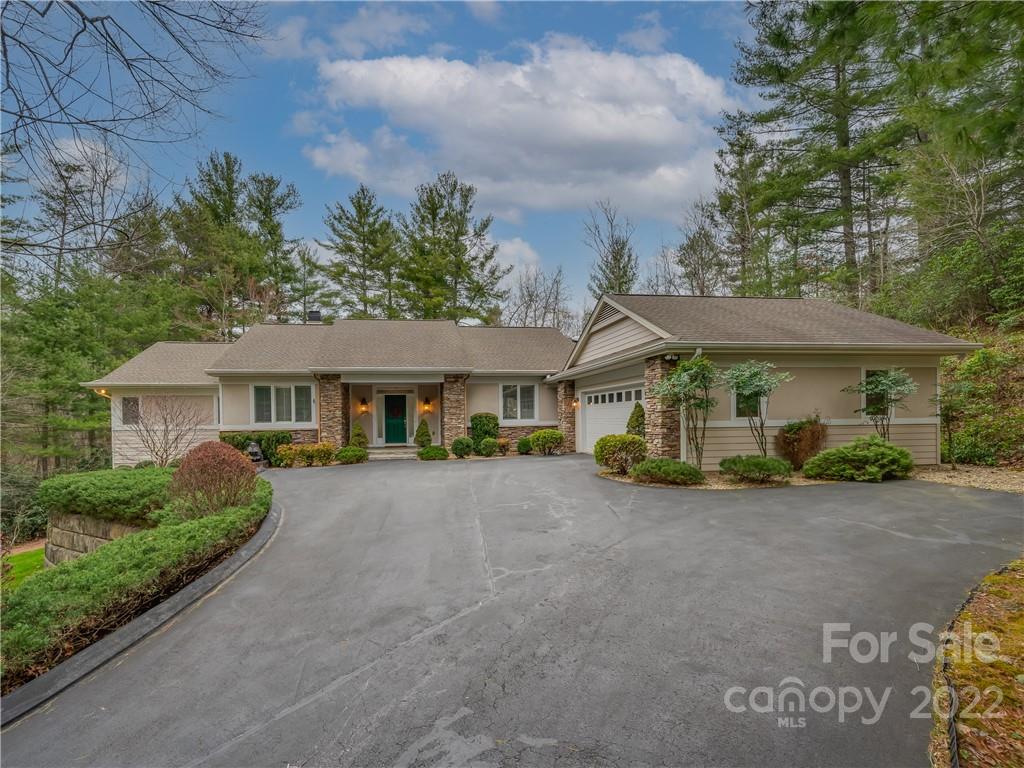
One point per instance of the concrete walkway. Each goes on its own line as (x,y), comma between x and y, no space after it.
(527,612)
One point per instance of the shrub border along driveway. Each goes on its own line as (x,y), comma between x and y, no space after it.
(43,688)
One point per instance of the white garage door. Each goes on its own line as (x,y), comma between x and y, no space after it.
(606,411)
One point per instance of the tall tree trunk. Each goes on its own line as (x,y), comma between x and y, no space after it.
(842,117)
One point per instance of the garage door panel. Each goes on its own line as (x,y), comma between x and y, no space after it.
(605,412)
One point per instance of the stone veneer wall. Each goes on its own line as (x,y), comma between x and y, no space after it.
(453,408)
(71,536)
(662,427)
(334,409)
(515,433)
(566,411)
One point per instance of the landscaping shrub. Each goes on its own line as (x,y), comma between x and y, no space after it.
(109,494)
(524,446)
(422,437)
(755,469)
(145,463)
(462,447)
(504,445)
(797,441)
(306,454)
(268,442)
(61,610)
(483,426)
(636,423)
(620,452)
(666,471)
(547,441)
(432,453)
(358,438)
(352,454)
(488,446)
(212,477)
(867,459)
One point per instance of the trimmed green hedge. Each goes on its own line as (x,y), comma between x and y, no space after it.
(482,426)
(488,447)
(267,441)
(866,459)
(668,471)
(547,441)
(756,468)
(432,453)
(352,454)
(524,446)
(620,452)
(57,612)
(108,494)
(462,447)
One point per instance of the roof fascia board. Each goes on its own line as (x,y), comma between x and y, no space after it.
(146,385)
(591,322)
(255,372)
(640,319)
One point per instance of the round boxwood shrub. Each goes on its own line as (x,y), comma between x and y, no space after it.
(462,447)
(866,459)
(358,438)
(432,453)
(352,454)
(756,468)
(422,437)
(213,476)
(666,471)
(620,452)
(547,441)
(524,446)
(488,446)
(483,426)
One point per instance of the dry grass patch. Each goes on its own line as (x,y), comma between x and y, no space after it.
(988,478)
(996,741)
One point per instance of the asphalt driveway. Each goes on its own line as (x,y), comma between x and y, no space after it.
(526,612)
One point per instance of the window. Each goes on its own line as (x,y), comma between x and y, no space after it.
(130,412)
(262,409)
(639,394)
(282,404)
(304,403)
(874,404)
(518,402)
(629,395)
(747,407)
(618,397)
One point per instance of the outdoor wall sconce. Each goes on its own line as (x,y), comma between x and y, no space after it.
(427,407)
(364,407)
(575,402)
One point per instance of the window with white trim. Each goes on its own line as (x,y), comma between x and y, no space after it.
(282,404)
(747,407)
(518,402)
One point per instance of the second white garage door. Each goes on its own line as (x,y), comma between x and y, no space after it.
(606,411)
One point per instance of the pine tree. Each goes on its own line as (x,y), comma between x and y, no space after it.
(616,266)
(450,267)
(362,242)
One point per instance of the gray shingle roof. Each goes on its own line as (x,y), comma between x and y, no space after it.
(179,363)
(516,349)
(736,320)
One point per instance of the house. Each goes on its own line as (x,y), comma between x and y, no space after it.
(317,380)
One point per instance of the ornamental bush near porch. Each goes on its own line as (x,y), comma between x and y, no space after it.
(488,447)
(547,441)
(756,469)
(432,453)
(462,447)
(668,471)
(620,452)
(107,494)
(352,454)
(482,426)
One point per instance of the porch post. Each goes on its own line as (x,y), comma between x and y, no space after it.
(453,408)
(662,428)
(566,410)
(334,409)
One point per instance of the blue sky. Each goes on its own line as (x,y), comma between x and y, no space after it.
(545,107)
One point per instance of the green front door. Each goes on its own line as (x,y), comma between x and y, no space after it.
(394,419)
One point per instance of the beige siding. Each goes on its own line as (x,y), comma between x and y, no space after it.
(128,450)
(483,395)
(482,398)
(816,390)
(622,375)
(920,439)
(434,417)
(236,408)
(919,404)
(619,335)
(357,393)
(547,397)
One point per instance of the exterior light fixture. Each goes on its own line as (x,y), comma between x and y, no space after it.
(575,402)
(364,407)
(427,407)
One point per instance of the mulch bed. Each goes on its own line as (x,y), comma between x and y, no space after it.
(988,478)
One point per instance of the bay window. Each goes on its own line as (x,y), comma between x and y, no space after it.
(282,404)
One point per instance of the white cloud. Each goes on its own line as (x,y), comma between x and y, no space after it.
(305,123)
(518,254)
(647,35)
(373,27)
(487,11)
(567,125)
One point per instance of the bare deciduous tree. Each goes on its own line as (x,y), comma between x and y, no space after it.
(607,233)
(537,298)
(167,426)
(699,255)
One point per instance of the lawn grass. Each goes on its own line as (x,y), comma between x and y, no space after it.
(23,565)
(990,718)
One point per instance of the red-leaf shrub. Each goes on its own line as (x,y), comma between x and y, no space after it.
(213,476)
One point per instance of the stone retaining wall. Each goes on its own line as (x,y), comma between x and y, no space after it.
(71,536)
